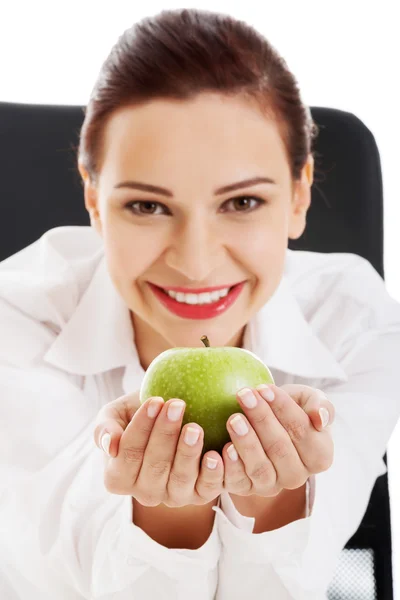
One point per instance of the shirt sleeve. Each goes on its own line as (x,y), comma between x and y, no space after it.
(298,561)
(62,534)
(231,513)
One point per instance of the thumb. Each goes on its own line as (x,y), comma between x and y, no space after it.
(312,401)
(112,420)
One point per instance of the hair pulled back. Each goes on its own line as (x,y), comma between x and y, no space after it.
(179,54)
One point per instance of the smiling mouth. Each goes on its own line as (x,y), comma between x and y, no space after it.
(207,296)
(204,305)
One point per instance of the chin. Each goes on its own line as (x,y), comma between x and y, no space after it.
(189,336)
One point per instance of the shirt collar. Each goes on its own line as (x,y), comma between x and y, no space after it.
(98,336)
(278,334)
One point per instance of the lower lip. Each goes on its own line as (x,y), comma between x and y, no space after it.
(198,311)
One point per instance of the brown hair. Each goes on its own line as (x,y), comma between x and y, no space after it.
(178,54)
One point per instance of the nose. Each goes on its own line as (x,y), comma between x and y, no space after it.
(196,251)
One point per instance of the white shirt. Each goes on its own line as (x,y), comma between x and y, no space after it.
(66,350)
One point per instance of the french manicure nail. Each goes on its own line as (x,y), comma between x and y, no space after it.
(211,462)
(265,392)
(324,414)
(248,398)
(105,443)
(239,425)
(191,436)
(154,406)
(175,409)
(233,455)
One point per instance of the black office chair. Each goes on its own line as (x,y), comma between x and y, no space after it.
(40,188)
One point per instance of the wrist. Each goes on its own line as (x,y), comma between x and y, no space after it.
(273,512)
(188,526)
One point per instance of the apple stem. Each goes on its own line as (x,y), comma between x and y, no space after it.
(205,341)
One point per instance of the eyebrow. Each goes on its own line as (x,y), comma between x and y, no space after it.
(146,187)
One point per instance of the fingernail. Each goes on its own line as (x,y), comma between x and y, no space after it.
(154,407)
(211,462)
(233,455)
(105,443)
(239,425)
(191,436)
(266,392)
(248,398)
(175,410)
(324,414)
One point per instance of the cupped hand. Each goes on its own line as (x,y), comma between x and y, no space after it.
(277,444)
(150,458)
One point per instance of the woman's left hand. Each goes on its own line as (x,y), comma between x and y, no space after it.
(285,441)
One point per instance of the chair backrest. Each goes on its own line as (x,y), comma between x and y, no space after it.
(40,188)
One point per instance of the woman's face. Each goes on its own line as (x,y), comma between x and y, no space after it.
(189,232)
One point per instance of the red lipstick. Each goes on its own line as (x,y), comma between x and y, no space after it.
(197,290)
(197,311)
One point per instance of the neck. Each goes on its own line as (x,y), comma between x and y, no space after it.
(150,343)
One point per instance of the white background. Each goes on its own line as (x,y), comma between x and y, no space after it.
(345,54)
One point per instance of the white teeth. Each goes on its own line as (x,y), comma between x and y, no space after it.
(204,298)
(191,298)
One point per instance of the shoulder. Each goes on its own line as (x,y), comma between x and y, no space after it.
(337,280)
(41,286)
(306,267)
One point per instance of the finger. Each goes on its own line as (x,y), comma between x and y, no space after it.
(259,468)
(211,477)
(312,400)
(273,437)
(189,481)
(111,421)
(185,467)
(161,448)
(236,480)
(314,448)
(122,472)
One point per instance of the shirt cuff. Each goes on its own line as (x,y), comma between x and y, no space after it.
(236,532)
(242,546)
(310,495)
(130,552)
(229,509)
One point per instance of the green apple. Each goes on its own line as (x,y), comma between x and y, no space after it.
(207,379)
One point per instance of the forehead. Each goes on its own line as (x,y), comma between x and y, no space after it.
(209,130)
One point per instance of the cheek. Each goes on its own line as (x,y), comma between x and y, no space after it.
(130,252)
(261,248)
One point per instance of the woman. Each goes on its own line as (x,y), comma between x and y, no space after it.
(196,159)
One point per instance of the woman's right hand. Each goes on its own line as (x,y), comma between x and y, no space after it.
(149,458)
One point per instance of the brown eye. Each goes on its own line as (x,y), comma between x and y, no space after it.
(244,204)
(146,207)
